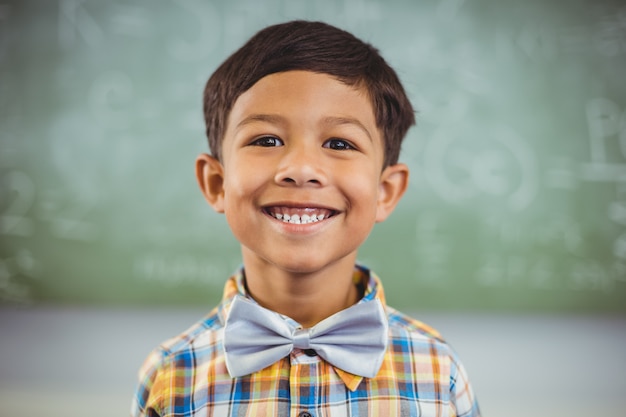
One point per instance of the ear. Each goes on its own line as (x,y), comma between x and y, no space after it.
(210,176)
(393,183)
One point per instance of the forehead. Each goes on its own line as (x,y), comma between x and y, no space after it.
(303,96)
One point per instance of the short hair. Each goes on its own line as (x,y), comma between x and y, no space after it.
(317,47)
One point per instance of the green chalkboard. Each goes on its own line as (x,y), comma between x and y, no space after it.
(518,187)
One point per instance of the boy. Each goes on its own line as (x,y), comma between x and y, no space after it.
(304,123)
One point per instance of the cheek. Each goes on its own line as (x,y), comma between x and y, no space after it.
(240,177)
(242,188)
(364,192)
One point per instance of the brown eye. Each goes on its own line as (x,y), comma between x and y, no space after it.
(267,142)
(338,145)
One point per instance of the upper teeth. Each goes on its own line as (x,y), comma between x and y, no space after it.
(297,219)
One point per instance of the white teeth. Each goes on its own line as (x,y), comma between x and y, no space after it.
(297,219)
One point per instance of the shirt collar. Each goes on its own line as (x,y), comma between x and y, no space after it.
(361,277)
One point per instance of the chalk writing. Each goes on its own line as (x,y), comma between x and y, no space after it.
(19,190)
(74,20)
(517,271)
(590,275)
(131,20)
(500,164)
(607,139)
(205,17)
(562,232)
(433,253)
(563,173)
(538,41)
(610,35)
(520,140)
(617,214)
(110,98)
(68,218)
(12,269)
(179,269)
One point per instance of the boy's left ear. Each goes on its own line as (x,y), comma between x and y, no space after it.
(394,181)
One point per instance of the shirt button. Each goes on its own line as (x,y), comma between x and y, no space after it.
(309,352)
(305,414)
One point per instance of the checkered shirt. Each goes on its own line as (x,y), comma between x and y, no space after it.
(420,375)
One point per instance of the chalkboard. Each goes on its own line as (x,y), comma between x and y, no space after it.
(517,199)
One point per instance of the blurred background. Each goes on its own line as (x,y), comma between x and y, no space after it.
(511,239)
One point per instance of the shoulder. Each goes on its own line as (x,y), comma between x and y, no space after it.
(419,336)
(404,324)
(195,347)
(413,341)
(420,347)
(408,336)
(204,335)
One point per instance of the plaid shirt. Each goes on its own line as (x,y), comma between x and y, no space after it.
(420,375)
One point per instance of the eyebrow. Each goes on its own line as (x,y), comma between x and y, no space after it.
(327,121)
(269,118)
(338,121)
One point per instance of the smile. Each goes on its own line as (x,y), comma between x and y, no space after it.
(299,215)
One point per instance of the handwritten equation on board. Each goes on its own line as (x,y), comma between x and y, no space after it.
(507,168)
(123,78)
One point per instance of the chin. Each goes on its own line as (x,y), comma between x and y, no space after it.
(310,265)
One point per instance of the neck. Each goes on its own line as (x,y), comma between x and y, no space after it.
(308,298)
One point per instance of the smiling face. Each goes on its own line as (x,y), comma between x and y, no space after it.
(301,180)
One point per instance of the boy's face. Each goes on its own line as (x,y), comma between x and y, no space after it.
(303,146)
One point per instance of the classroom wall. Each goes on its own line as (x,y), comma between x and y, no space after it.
(517,199)
(64,361)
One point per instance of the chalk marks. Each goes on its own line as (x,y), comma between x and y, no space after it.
(22,211)
(517,271)
(432,250)
(555,258)
(495,161)
(131,20)
(552,254)
(609,36)
(68,216)
(75,23)
(562,173)
(546,273)
(14,270)
(617,214)
(606,123)
(111,98)
(172,270)
(205,18)
(18,190)
(538,41)
(520,118)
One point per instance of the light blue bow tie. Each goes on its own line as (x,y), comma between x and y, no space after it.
(354,339)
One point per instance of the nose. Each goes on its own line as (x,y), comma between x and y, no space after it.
(300,166)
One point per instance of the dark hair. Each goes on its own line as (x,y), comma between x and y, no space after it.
(316,47)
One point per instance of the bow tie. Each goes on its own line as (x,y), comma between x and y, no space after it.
(354,339)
